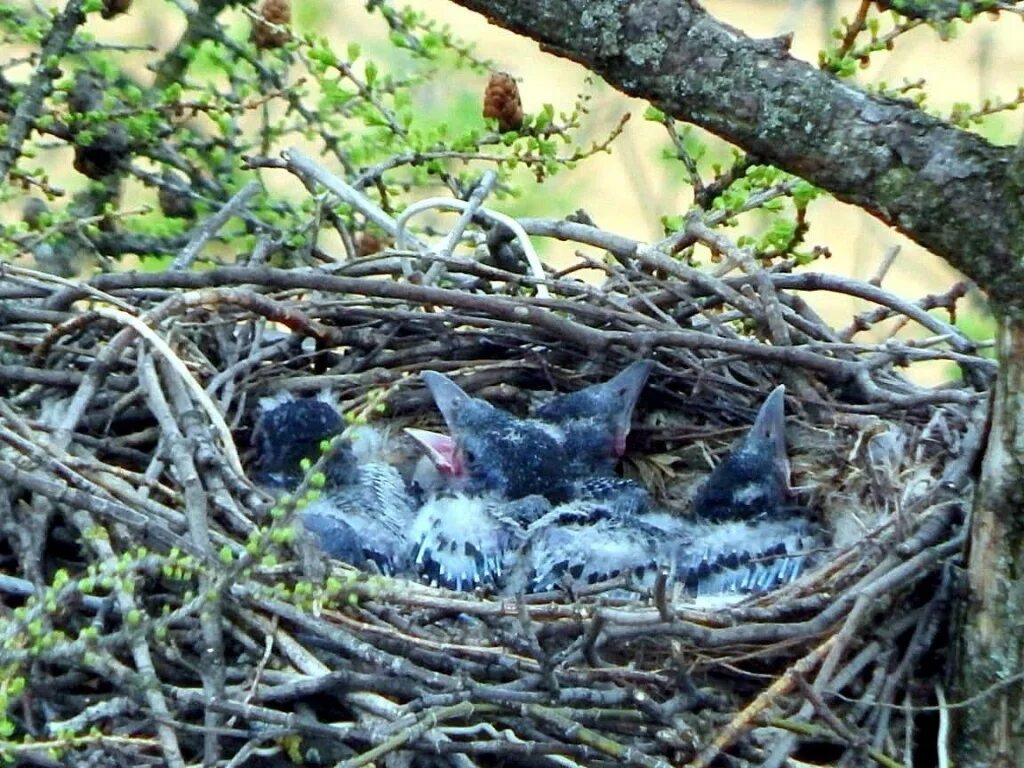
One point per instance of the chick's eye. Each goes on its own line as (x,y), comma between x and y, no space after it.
(470,457)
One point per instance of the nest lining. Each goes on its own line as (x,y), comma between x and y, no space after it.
(185,615)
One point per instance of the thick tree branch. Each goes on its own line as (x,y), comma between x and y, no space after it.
(949,190)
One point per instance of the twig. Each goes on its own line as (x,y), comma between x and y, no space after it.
(765,699)
(213,225)
(452,204)
(227,442)
(54,46)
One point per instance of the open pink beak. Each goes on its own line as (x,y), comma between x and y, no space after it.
(441,450)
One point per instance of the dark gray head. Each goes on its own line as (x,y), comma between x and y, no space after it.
(289,430)
(753,479)
(497,451)
(597,419)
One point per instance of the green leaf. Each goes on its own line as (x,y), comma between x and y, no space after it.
(654,115)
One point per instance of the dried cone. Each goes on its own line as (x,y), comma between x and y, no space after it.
(270,29)
(104,155)
(112,8)
(174,201)
(369,243)
(502,102)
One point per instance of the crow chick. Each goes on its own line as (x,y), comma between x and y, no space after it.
(753,478)
(596,420)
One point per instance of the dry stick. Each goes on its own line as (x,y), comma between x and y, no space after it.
(427,723)
(573,730)
(26,374)
(370,703)
(696,228)
(655,259)
(31,443)
(921,640)
(451,204)
(626,248)
(858,614)
(212,225)
(518,751)
(139,647)
(622,247)
(449,648)
(347,642)
(303,724)
(917,398)
(373,704)
(60,493)
(447,247)
(851,671)
(211,662)
(316,674)
(945,726)
(228,376)
(860,373)
(525,313)
(41,751)
(119,343)
(746,718)
(196,389)
(46,279)
(841,729)
(888,259)
(304,165)
(820,281)
(946,300)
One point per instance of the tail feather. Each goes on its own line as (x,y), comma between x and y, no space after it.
(743,556)
(465,542)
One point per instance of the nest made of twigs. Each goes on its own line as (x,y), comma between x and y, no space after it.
(172,611)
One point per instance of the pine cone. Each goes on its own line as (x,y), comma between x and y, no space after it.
(501,101)
(369,243)
(33,212)
(104,154)
(174,201)
(270,29)
(112,8)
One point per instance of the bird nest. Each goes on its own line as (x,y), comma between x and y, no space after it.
(160,609)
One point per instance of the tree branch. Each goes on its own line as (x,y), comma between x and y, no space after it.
(949,190)
(54,46)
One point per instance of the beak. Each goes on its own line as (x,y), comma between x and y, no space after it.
(770,428)
(440,449)
(625,388)
(448,396)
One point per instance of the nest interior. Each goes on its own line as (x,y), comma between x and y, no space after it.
(160,609)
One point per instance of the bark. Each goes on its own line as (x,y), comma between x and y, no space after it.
(947,189)
(991,731)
